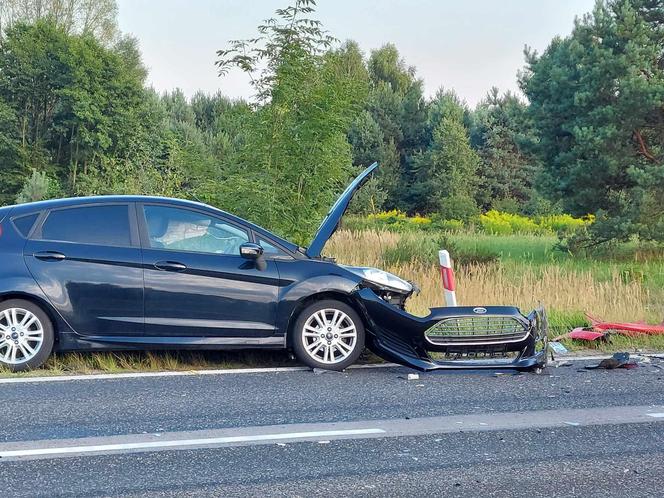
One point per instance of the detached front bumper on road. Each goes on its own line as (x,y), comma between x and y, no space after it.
(456,337)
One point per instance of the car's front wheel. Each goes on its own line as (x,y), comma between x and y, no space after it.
(26,335)
(328,334)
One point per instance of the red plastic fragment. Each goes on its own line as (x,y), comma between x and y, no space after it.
(586,335)
(627,328)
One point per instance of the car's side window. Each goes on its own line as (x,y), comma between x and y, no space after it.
(25,223)
(184,230)
(99,225)
(270,249)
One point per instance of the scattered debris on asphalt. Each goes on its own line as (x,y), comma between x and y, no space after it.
(321,371)
(413,377)
(558,348)
(508,374)
(618,360)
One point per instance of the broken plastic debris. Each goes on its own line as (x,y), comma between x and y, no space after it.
(618,360)
(413,376)
(600,329)
(583,334)
(626,328)
(320,371)
(558,348)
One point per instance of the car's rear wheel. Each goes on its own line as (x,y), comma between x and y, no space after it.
(26,335)
(328,334)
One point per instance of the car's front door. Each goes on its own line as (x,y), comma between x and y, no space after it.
(87,260)
(196,282)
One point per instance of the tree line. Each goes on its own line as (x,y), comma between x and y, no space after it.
(76,118)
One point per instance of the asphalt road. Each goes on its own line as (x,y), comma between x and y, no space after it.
(368,432)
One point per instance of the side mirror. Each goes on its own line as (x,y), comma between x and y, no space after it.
(254,252)
(249,250)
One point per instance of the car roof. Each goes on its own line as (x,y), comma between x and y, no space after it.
(101,199)
(105,199)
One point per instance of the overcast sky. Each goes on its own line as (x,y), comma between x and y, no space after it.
(467,45)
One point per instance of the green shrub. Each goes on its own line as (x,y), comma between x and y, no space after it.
(448,225)
(37,187)
(492,222)
(564,223)
(499,223)
(507,205)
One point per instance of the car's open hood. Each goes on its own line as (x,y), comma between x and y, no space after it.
(331,221)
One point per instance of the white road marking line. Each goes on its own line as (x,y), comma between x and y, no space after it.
(655,415)
(227,371)
(105,448)
(184,373)
(321,433)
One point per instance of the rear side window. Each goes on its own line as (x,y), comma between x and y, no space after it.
(25,223)
(100,225)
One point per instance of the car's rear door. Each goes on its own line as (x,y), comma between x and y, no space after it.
(196,282)
(87,260)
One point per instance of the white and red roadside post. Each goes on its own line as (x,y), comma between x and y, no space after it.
(447,273)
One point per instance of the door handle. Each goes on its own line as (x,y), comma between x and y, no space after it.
(50,256)
(170,266)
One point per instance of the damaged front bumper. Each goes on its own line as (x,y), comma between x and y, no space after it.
(456,337)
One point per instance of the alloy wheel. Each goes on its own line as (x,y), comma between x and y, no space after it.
(21,336)
(329,336)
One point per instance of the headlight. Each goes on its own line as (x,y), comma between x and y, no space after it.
(381,278)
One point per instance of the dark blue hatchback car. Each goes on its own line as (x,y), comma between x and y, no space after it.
(118,272)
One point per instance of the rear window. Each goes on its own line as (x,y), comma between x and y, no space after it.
(100,225)
(25,223)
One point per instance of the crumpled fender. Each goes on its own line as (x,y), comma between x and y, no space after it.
(294,293)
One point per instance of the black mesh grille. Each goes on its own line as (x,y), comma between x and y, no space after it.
(476,330)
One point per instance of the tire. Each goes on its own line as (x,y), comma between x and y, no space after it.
(26,335)
(328,334)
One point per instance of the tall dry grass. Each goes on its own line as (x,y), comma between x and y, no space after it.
(566,293)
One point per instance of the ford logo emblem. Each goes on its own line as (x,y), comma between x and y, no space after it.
(479,310)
